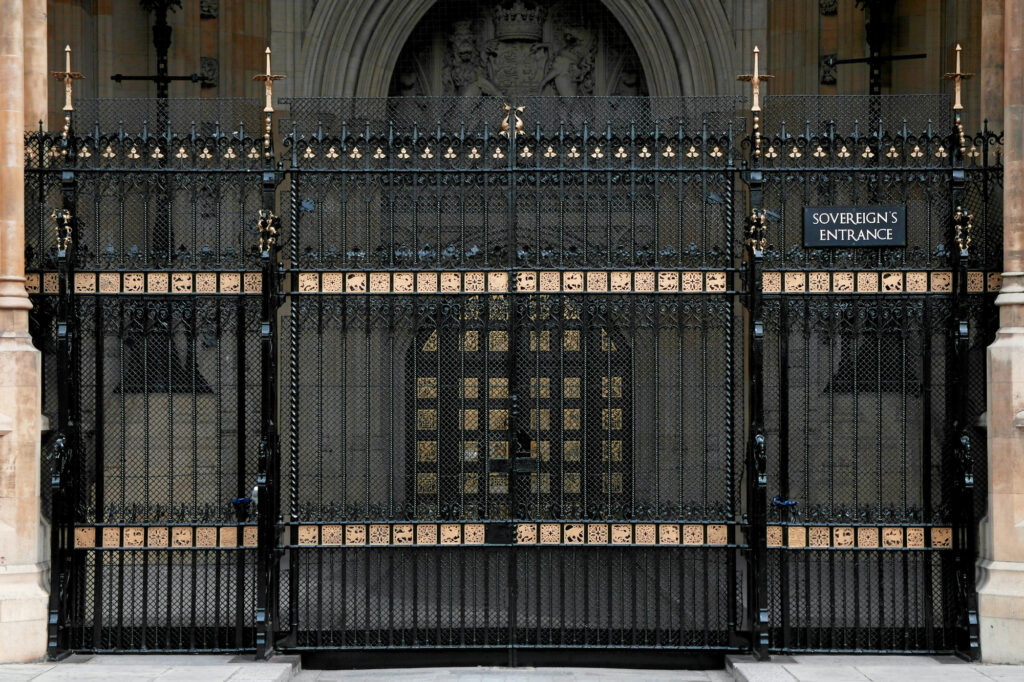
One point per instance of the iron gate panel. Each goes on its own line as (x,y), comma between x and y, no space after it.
(500,385)
(869,404)
(513,375)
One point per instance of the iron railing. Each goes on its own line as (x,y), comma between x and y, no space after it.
(445,374)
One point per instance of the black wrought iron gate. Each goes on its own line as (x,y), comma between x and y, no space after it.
(451,374)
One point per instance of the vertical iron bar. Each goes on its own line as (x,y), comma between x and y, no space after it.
(66,444)
(268,465)
(968,643)
(757,477)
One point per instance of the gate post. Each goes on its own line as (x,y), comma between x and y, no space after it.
(65,445)
(269,458)
(756,456)
(966,533)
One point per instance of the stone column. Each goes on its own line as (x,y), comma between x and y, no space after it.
(1001,566)
(36,74)
(23,573)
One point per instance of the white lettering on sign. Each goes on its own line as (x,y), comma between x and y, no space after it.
(855,226)
(860,235)
(854,218)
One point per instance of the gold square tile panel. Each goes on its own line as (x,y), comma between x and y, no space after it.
(646,534)
(892,282)
(355,534)
(85,283)
(309,535)
(843,536)
(206,536)
(718,534)
(796,536)
(818,282)
(332,535)
(403,534)
(818,536)
(158,536)
(426,534)
(380,283)
(942,282)
(622,534)
(355,282)
(842,282)
(110,283)
(668,281)
(227,536)
(575,533)
(451,534)
(867,536)
(51,283)
(181,282)
(892,537)
(134,537)
(85,536)
(550,281)
(230,282)
(716,281)
(426,282)
(572,281)
(668,534)
(550,533)
(526,534)
(643,282)
(867,282)
(206,282)
(942,538)
(597,533)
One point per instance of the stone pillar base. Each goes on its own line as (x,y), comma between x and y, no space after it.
(23,613)
(23,537)
(1001,534)
(1001,611)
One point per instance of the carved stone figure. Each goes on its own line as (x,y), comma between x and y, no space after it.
(464,72)
(516,48)
(572,67)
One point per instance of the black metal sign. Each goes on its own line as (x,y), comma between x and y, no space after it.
(855,226)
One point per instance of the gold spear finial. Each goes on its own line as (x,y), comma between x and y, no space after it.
(268,79)
(957,77)
(69,77)
(755,79)
(755,82)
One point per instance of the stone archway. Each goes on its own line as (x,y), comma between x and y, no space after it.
(350,49)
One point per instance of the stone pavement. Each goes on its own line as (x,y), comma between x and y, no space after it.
(208,668)
(868,668)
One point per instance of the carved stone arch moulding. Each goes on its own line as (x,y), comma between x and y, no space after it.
(351,49)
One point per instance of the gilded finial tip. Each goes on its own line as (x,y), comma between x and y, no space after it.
(268,49)
(67,48)
(755,49)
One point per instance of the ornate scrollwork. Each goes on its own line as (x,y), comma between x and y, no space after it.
(64,221)
(269,226)
(963,227)
(756,233)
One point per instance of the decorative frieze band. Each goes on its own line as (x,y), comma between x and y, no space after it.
(552,533)
(527,281)
(149,282)
(114,537)
(872,281)
(864,537)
